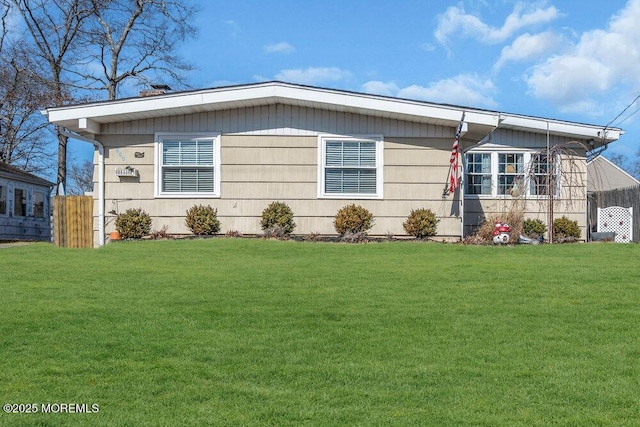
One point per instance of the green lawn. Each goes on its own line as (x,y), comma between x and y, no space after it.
(254,332)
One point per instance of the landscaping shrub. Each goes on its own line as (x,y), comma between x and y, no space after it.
(534,228)
(233,233)
(353,219)
(360,237)
(278,214)
(133,224)
(564,228)
(202,220)
(421,223)
(163,233)
(484,233)
(276,232)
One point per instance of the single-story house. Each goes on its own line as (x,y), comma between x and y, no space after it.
(604,175)
(239,148)
(25,205)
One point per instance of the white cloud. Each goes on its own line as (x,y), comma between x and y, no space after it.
(235,28)
(282,47)
(313,75)
(464,89)
(380,88)
(528,47)
(455,21)
(601,61)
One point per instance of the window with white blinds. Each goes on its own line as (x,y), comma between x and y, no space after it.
(351,167)
(189,166)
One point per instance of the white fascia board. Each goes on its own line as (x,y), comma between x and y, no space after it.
(386,105)
(100,112)
(557,128)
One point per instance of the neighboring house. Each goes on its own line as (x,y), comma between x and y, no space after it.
(25,205)
(604,175)
(239,148)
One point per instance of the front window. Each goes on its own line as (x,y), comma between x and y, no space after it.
(3,200)
(189,166)
(510,173)
(506,174)
(19,202)
(540,167)
(351,167)
(478,167)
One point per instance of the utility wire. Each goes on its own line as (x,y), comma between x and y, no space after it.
(623,111)
(628,117)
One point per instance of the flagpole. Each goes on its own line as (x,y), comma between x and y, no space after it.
(461,193)
(455,177)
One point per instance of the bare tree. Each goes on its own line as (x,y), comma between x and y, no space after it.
(81,178)
(24,133)
(54,26)
(5,9)
(136,39)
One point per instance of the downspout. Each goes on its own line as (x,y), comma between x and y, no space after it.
(100,148)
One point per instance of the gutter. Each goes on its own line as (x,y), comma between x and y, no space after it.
(100,148)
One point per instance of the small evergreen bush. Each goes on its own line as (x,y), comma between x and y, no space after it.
(278,217)
(133,224)
(534,228)
(421,223)
(566,228)
(202,220)
(353,219)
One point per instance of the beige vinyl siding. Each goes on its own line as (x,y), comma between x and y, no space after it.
(270,153)
(259,169)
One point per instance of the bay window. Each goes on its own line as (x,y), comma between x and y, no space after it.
(503,173)
(510,173)
(478,172)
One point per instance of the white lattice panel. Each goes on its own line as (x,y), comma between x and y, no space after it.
(618,220)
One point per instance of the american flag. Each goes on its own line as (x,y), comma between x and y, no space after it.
(454,178)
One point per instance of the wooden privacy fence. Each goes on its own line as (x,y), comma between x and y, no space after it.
(624,197)
(73,221)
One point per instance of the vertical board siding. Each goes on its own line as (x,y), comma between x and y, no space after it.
(280,119)
(520,139)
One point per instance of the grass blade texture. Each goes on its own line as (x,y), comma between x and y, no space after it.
(255,332)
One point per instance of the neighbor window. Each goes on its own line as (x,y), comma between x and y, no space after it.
(506,174)
(19,202)
(351,167)
(3,200)
(188,166)
(38,204)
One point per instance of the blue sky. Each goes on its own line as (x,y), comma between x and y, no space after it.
(565,59)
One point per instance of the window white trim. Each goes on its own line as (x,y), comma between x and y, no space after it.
(158,164)
(528,157)
(322,164)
